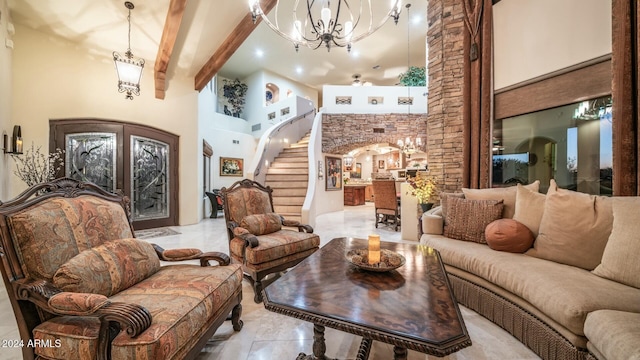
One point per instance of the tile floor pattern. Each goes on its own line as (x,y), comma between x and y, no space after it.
(267,335)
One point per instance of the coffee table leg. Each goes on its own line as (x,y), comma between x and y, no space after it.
(364,350)
(319,346)
(399,353)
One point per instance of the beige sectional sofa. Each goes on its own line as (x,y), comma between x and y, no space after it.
(575,294)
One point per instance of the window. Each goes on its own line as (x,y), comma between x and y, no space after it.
(571,144)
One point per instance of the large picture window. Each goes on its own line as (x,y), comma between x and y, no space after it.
(571,144)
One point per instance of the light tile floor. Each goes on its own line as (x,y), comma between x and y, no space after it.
(267,335)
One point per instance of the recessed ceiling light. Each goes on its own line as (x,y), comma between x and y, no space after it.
(259,53)
(355,53)
(416,19)
(299,69)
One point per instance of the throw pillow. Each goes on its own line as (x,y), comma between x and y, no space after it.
(467,219)
(508,194)
(574,228)
(443,202)
(620,259)
(261,224)
(109,268)
(529,208)
(509,235)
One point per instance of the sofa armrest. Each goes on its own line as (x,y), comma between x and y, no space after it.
(432,224)
(250,240)
(132,317)
(301,227)
(80,304)
(191,254)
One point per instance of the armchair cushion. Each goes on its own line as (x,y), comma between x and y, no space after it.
(261,224)
(274,246)
(70,225)
(109,268)
(77,303)
(180,314)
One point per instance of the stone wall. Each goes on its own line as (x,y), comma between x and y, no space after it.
(443,127)
(446,139)
(342,133)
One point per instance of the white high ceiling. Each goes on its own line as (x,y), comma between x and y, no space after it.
(101,27)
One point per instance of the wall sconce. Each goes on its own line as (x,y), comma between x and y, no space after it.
(15,146)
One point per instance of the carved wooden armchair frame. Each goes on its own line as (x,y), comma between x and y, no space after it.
(256,275)
(34,300)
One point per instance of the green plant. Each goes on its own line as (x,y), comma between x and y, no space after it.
(422,188)
(235,91)
(34,167)
(415,76)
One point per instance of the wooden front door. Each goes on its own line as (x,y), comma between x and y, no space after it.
(139,161)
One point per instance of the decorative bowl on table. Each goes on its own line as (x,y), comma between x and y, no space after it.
(389,260)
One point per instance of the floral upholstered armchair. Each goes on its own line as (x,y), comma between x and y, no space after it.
(258,238)
(83,287)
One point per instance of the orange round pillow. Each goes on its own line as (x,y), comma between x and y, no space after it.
(508,235)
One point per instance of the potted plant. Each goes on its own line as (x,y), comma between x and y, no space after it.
(415,76)
(423,188)
(235,91)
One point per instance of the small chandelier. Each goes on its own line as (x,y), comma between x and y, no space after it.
(409,147)
(129,69)
(317,25)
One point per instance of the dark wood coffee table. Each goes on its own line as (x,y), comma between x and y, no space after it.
(411,307)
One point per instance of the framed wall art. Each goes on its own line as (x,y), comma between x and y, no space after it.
(334,173)
(231,167)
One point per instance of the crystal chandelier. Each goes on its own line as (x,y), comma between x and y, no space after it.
(129,69)
(326,22)
(409,147)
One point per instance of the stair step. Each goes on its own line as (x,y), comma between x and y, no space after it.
(299,145)
(287,209)
(287,177)
(279,171)
(289,192)
(287,184)
(288,200)
(281,165)
(293,154)
(299,159)
(295,150)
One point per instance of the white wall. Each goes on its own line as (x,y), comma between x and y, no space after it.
(54,79)
(386,97)
(6,122)
(220,131)
(536,37)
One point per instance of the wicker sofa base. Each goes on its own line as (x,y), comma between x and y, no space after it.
(524,326)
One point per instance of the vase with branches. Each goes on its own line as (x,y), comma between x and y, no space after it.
(35,166)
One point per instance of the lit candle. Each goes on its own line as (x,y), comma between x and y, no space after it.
(374,249)
(18,145)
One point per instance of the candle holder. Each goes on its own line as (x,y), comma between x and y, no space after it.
(389,260)
(15,145)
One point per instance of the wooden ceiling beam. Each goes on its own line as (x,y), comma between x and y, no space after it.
(241,32)
(167,43)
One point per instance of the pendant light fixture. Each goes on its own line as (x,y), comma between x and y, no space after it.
(327,23)
(129,69)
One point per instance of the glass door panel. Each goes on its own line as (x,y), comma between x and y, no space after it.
(149,178)
(92,157)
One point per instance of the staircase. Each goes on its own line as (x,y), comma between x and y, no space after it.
(288,177)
